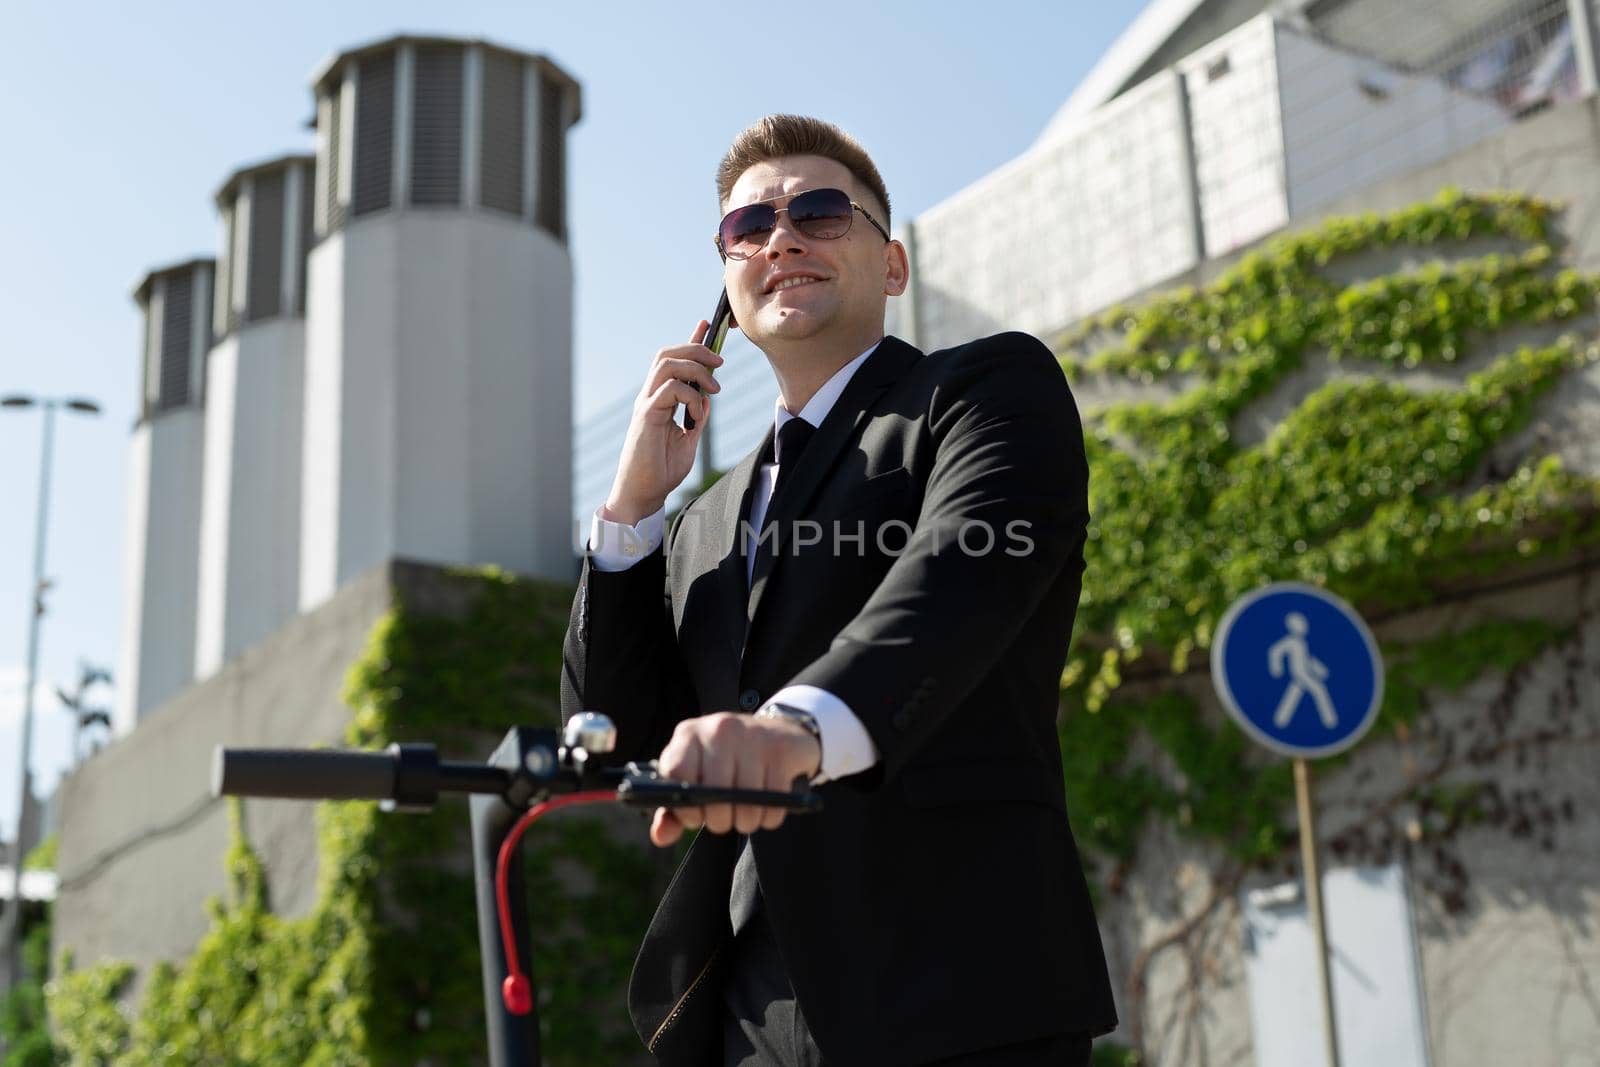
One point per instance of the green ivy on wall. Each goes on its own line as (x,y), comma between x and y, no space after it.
(385,969)
(24,1026)
(1373,487)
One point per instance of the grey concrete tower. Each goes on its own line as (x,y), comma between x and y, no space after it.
(439,313)
(163,530)
(250,507)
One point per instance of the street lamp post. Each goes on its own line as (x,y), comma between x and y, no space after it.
(13,916)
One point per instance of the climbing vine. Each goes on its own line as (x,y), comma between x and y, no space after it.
(1385,489)
(385,969)
(1369,486)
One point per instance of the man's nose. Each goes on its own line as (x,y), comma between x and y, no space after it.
(783,238)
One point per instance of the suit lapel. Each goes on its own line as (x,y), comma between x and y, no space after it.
(841,426)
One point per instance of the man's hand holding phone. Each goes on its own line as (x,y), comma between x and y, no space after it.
(658,454)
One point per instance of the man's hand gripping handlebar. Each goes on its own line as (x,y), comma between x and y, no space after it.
(532,772)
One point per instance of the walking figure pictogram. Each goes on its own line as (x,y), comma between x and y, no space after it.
(1263,668)
(1306,673)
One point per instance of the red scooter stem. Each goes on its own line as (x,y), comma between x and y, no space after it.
(516,990)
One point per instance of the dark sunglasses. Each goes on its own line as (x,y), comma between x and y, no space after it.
(823,214)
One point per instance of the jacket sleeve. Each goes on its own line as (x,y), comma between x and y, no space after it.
(1004,511)
(620,656)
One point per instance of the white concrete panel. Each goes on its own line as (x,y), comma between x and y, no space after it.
(1377,988)
(217,483)
(1074,225)
(446,338)
(161,642)
(320,456)
(433,363)
(1349,121)
(1238,144)
(135,536)
(366,338)
(250,541)
(521,394)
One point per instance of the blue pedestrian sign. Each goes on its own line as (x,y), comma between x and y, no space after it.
(1298,669)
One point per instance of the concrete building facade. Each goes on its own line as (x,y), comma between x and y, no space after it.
(438,373)
(142,838)
(1212,125)
(1503,940)
(1225,145)
(384,365)
(250,514)
(160,590)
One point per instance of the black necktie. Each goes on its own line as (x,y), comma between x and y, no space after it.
(744,896)
(787,447)
(792,440)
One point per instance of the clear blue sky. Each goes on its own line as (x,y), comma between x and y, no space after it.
(121,121)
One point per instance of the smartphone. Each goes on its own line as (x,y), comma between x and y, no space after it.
(715,336)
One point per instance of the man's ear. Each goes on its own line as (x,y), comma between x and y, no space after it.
(897,268)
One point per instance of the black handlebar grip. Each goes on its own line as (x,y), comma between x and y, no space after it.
(303,774)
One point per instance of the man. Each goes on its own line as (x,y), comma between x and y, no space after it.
(888,583)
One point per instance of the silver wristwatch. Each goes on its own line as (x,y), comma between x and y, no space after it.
(804,718)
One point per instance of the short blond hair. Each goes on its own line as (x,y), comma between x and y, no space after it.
(799,135)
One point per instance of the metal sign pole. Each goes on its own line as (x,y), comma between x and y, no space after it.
(1313,883)
(1298,669)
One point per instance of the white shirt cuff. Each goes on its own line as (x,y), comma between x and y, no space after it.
(847,747)
(616,546)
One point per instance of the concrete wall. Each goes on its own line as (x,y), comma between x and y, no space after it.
(1553,154)
(438,398)
(250,517)
(1232,85)
(1350,121)
(1556,155)
(1509,950)
(1073,225)
(142,840)
(1505,915)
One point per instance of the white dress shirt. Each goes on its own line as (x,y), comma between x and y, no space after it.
(847,747)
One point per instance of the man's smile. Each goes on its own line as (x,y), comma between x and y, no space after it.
(791,279)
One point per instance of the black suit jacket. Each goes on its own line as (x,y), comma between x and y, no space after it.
(937,904)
